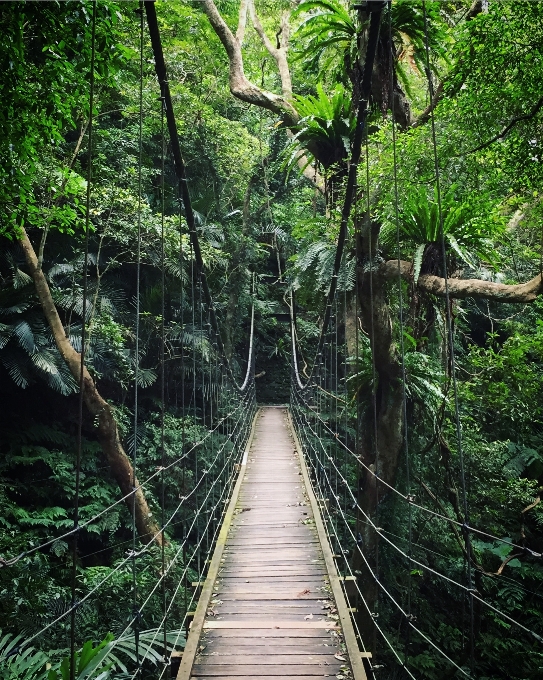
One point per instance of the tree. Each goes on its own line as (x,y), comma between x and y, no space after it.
(44,55)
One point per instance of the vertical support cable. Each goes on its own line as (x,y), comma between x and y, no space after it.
(357,353)
(83,352)
(183,414)
(402,348)
(452,360)
(135,610)
(162,377)
(373,373)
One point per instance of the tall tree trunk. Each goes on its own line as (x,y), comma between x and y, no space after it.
(108,433)
(381,438)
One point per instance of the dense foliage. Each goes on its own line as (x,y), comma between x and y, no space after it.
(266,230)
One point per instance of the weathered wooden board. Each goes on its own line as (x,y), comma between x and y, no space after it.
(269,633)
(261,670)
(269,659)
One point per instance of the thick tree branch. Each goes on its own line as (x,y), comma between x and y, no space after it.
(465,288)
(475,9)
(108,434)
(240,86)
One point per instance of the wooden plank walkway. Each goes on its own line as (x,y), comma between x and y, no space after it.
(270,607)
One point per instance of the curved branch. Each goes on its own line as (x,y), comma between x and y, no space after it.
(465,288)
(240,85)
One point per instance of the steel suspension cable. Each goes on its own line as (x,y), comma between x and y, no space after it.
(180,170)
(402,327)
(315,473)
(137,340)
(163,374)
(375,9)
(83,350)
(242,432)
(411,500)
(385,590)
(424,566)
(374,377)
(246,414)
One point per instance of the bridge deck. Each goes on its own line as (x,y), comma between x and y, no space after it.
(268,607)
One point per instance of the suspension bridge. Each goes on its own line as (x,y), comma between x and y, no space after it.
(277,570)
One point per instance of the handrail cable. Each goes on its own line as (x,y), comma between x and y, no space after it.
(385,590)
(378,628)
(145,549)
(495,609)
(411,501)
(378,530)
(180,548)
(30,551)
(162,367)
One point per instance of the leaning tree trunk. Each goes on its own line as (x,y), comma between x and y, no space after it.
(99,408)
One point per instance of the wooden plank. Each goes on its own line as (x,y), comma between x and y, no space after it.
(267,608)
(266,633)
(261,670)
(319,581)
(271,593)
(269,659)
(273,677)
(258,647)
(279,617)
(321,604)
(270,560)
(288,541)
(273,570)
(228,650)
(276,625)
